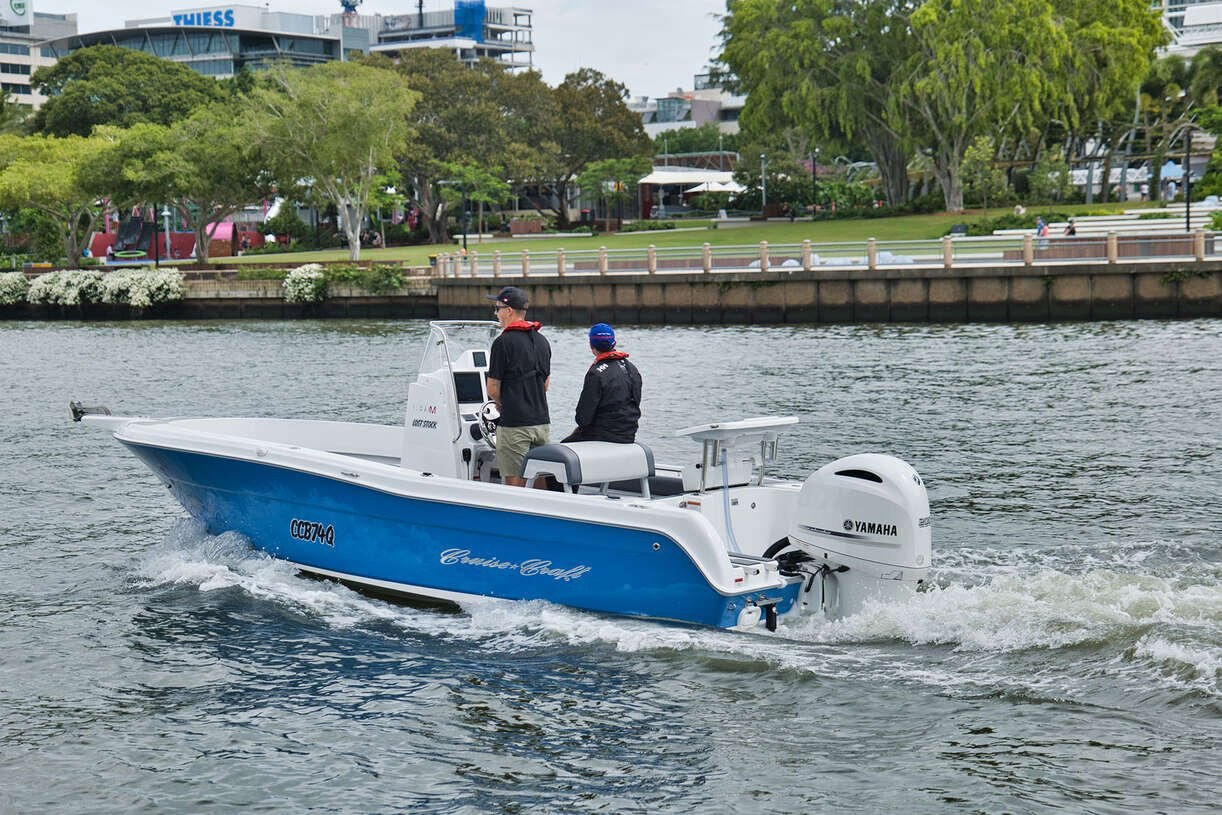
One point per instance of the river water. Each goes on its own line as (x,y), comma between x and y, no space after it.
(1068,658)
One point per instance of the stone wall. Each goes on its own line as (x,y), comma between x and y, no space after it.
(1007,294)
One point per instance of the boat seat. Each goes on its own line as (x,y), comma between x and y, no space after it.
(591,462)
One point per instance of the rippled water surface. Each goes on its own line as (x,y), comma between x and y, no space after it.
(1068,659)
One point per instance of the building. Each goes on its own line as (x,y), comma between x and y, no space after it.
(470,29)
(20,33)
(708,102)
(1193,24)
(222,40)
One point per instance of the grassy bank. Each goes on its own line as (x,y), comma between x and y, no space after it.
(906,227)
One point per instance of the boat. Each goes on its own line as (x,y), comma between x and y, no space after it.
(417,510)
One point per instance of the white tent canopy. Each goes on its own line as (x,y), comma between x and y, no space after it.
(716,186)
(687,176)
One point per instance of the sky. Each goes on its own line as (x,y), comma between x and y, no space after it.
(651,46)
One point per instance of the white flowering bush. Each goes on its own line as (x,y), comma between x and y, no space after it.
(71,287)
(142,288)
(13,287)
(305,284)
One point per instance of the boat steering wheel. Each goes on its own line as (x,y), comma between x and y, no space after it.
(488,417)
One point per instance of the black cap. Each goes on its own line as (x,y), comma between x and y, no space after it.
(510,296)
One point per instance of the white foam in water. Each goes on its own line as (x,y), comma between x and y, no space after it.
(1013,610)
(1193,667)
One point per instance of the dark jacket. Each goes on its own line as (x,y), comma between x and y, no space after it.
(609,408)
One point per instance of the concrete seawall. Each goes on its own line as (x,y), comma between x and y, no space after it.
(1070,291)
(1066,291)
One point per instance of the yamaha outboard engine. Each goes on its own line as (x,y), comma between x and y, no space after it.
(865,521)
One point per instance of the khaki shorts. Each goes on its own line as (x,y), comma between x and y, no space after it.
(512,445)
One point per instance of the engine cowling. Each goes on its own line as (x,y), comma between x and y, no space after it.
(866,518)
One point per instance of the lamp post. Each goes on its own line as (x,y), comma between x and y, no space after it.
(763,185)
(165,219)
(1188,178)
(464,218)
(814,183)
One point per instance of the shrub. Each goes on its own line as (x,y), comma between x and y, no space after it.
(13,287)
(142,288)
(382,278)
(305,284)
(67,288)
(647,226)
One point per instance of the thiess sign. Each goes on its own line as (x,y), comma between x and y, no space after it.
(216,18)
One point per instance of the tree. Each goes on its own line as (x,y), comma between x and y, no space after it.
(824,74)
(13,116)
(982,179)
(45,173)
(705,138)
(339,124)
(206,167)
(981,66)
(613,180)
(593,123)
(107,84)
(469,183)
(468,115)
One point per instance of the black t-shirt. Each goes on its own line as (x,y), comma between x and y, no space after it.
(522,361)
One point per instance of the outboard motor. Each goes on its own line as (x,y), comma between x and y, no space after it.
(865,521)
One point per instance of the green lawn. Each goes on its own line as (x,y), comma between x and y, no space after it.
(907,227)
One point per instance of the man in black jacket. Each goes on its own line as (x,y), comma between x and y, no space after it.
(609,408)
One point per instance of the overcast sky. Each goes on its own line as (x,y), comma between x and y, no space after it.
(652,46)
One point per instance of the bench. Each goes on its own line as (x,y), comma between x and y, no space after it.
(591,463)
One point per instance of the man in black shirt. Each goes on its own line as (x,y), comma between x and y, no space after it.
(609,408)
(519,371)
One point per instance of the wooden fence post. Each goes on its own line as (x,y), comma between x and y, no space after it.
(872,253)
(560,262)
(602,260)
(525,263)
(763,256)
(948,251)
(806,256)
(496,263)
(651,259)
(706,258)
(1028,250)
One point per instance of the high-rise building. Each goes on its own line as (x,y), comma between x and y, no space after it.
(222,40)
(1193,24)
(21,31)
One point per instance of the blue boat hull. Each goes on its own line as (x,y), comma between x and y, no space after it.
(436,549)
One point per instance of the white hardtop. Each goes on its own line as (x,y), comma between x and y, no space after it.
(742,432)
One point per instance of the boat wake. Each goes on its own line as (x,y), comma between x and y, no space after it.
(961,637)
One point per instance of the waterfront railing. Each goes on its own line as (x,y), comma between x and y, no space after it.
(946,253)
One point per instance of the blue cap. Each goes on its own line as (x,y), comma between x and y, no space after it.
(602,337)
